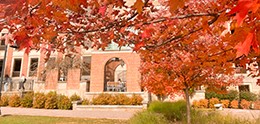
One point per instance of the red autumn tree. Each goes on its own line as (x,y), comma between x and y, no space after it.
(103,21)
(154,26)
(185,66)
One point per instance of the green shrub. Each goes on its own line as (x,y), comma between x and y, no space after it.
(4,100)
(75,97)
(27,100)
(14,101)
(122,99)
(85,102)
(136,100)
(64,102)
(230,95)
(173,111)
(39,100)
(248,96)
(148,117)
(104,99)
(209,95)
(51,100)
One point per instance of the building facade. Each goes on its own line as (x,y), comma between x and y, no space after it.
(87,73)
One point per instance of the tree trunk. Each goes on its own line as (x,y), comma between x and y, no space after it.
(187,96)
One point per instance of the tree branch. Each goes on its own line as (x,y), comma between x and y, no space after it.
(115,24)
(183,17)
(34,7)
(189,33)
(150,22)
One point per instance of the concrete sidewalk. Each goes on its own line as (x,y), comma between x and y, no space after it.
(108,114)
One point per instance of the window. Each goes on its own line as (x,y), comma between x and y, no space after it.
(240,68)
(243,88)
(258,82)
(2,44)
(1,65)
(33,67)
(17,67)
(86,65)
(3,39)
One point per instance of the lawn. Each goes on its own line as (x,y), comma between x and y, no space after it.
(15,119)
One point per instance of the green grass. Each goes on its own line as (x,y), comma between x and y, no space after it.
(56,120)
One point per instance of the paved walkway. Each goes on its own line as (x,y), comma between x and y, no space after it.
(109,114)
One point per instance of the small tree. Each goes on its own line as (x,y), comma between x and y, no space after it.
(181,67)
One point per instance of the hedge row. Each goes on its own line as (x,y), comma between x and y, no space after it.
(52,100)
(232,95)
(243,104)
(109,99)
(117,99)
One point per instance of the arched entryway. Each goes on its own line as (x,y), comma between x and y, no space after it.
(115,75)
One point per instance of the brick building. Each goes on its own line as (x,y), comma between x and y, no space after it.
(87,72)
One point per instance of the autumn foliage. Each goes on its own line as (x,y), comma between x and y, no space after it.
(225,103)
(184,44)
(143,23)
(234,104)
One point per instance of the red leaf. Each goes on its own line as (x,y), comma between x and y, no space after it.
(242,9)
(175,4)
(60,17)
(254,43)
(23,41)
(243,48)
(147,33)
(14,7)
(138,46)
(102,10)
(120,3)
(8,1)
(139,6)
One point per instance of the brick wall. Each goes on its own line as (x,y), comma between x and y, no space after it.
(51,79)
(73,81)
(24,66)
(40,65)
(9,57)
(98,62)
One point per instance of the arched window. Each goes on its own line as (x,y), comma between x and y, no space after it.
(115,75)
